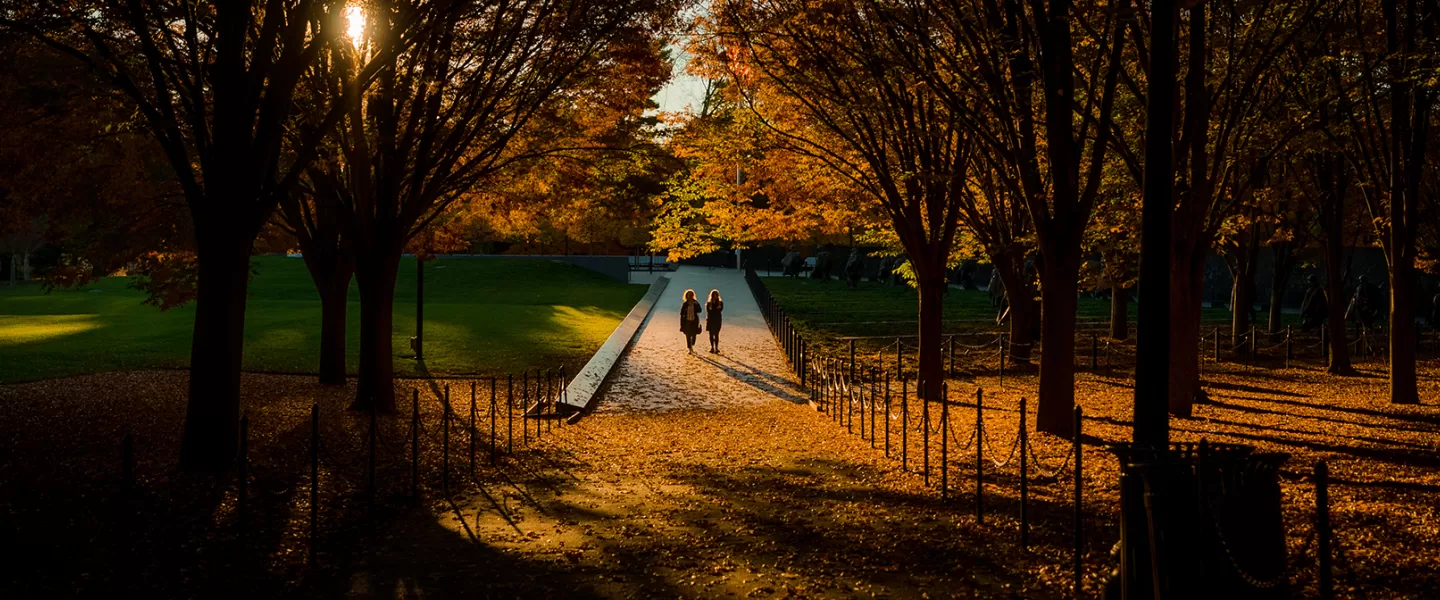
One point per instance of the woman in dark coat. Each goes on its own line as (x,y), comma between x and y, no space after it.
(713,310)
(690,319)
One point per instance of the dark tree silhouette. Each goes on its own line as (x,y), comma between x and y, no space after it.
(1036,106)
(1382,129)
(312,215)
(215,85)
(829,83)
(444,116)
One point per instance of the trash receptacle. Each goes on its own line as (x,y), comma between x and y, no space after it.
(1200,521)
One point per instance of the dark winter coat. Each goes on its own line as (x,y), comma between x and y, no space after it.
(713,311)
(690,325)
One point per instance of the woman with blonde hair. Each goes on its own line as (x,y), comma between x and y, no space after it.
(713,309)
(690,319)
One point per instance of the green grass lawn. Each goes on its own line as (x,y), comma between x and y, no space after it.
(832,309)
(481,316)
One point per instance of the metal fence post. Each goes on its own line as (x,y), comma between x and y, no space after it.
(445,442)
(920,386)
(415,444)
(951,371)
(492,420)
(852,359)
(524,406)
(128,508)
(887,414)
(1079,512)
(849,417)
(1322,529)
(243,493)
(874,387)
(980,456)
(314,480)
(370,467)
(905,418)
(1002,359)
(509,413)
(945,440)
(1024,480)
(1289,348)
(859,385)
(472,427)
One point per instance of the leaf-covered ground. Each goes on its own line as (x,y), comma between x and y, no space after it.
(759,495)
(767,500)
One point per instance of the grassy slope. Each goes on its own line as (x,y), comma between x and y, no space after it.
(481,316)
(832,309)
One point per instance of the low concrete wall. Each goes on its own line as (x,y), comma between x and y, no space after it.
(615,267)
(585,388)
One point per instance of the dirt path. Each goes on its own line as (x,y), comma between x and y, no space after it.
(702,476)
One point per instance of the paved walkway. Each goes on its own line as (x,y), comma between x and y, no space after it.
(659,375)
(699,476)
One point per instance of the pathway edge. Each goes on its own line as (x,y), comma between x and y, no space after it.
(584,389)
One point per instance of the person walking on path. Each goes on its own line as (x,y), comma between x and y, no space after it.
(713,310)
(690,319)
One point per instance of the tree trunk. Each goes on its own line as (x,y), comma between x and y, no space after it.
(1058,298)
(1185,290)
(932,306)
(26,260)
(1242,301)
(331,268)
(1403,383)
(1282,265)
(1023,309)
(1242,262)
(334,302)
(375,273)
(1119,313)
(212,414)
(1335,304)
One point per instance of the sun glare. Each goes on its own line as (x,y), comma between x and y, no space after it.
(355,24)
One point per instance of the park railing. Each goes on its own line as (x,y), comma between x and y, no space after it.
(995,352)
(911,426)
(502,419)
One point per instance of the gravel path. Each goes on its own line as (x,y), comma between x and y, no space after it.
(659,375)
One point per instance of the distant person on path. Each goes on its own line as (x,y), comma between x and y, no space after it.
(996,289)
(854,268)
(1364,304)
(713,310)
(690,319)
(1315,307)
(790,265)
(1435,312)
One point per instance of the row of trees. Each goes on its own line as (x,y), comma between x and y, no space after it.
(361,129)
(1007,129)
